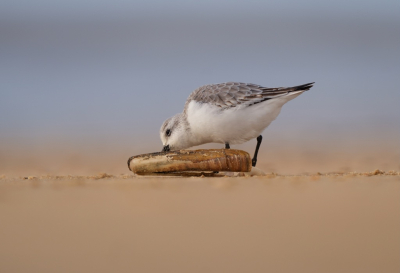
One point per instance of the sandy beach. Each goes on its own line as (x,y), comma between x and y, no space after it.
(306,223)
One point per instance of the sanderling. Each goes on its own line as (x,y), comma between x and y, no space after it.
(229,113)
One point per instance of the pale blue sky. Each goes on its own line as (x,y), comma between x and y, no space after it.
(117,69)
(50,8)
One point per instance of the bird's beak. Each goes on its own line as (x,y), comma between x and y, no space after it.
(165,148)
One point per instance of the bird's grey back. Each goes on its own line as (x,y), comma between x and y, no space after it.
(231,94)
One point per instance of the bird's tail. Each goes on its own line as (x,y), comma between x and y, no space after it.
(303,87)
(283,91)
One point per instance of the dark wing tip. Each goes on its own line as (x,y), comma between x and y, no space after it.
(280,90)
(303,87)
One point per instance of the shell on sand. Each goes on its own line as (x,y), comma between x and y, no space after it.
(214,160)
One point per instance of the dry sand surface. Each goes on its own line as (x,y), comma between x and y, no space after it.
(321,208)
(338,222)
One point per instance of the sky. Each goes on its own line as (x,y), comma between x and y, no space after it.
(102,8)
(79,71)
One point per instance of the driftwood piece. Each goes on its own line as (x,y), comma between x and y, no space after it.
(205,160)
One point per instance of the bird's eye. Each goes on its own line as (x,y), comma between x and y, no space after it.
(168,132)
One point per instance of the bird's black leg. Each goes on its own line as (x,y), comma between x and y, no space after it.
(254,160)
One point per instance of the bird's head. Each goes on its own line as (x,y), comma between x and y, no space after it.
(175,134)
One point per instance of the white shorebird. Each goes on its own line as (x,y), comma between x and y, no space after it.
(228,113)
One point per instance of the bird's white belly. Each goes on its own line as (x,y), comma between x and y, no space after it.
(234,125)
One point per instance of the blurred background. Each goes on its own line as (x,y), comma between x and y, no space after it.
(86,84)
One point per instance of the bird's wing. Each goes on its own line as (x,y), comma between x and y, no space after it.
(232,94)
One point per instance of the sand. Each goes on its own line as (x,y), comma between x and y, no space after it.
(323,207)
(321,222)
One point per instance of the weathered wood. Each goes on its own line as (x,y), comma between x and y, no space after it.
(207,160)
